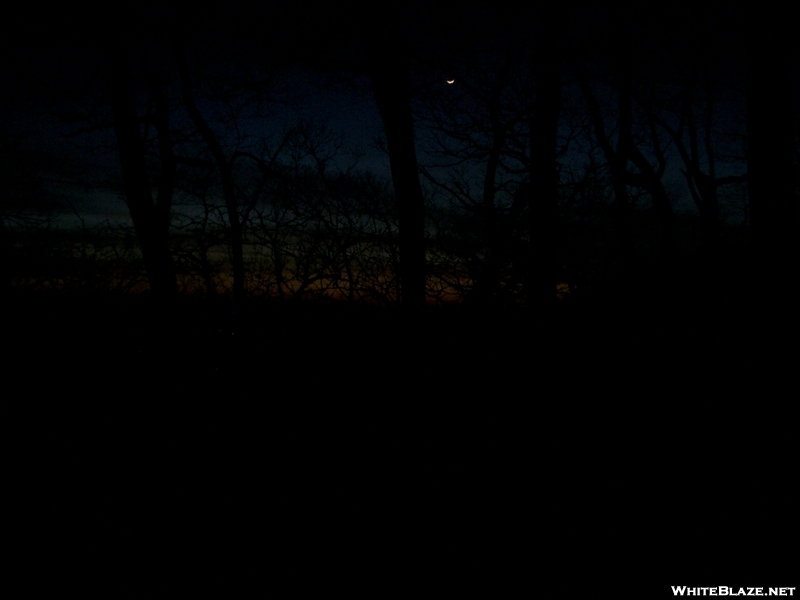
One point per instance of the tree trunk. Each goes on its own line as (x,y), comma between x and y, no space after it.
(226,175)
(617,159)
(770,149)
(770,144)
(391,84)
(543,213)
(487,282)
(151,223)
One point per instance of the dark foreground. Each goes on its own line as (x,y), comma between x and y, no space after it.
(219,454)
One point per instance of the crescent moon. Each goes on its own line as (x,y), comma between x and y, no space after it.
(450,81)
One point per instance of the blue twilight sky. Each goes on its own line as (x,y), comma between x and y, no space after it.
(49,54)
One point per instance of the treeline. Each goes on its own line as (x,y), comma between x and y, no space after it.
(532,155)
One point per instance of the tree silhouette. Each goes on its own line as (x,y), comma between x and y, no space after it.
(770,131)
(225,167)
(391,84)
(150,218)
(543,213)
(703,186)
(495,148)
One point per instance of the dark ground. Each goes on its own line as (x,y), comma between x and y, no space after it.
(208,453)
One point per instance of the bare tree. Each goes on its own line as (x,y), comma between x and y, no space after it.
(543,214)
(150,218)
(225,166)
(322,230)
(391,84)
(703,183)
(771,73)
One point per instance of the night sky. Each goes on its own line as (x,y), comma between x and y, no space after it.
(317,74)
(54,78)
